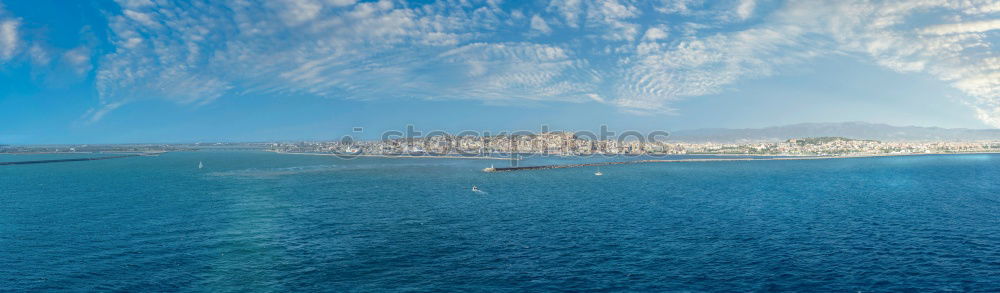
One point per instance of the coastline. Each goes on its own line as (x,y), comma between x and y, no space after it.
(543,167)
(751,157)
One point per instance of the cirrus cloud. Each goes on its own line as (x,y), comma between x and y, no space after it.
(10,40)
(636,55)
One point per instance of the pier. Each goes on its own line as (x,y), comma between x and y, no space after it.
(509,169)
(70,160)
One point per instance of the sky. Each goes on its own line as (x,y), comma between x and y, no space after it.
(135,71)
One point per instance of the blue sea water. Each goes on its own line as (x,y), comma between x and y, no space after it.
(254,221)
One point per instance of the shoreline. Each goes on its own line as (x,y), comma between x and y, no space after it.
(722,158)
(751,157)
(784,158)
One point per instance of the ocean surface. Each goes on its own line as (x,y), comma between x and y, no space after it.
(256,221)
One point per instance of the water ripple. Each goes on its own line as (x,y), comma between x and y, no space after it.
(268,222)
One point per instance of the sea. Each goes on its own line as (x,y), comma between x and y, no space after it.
(266,222)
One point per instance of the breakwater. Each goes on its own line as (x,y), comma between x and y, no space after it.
(427,156)
(67,160)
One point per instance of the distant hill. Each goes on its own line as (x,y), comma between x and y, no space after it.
(820,140)
(854,130)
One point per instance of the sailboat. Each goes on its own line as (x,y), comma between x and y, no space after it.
(200,165)
(598,173)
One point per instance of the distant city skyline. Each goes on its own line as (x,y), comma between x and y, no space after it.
(136,71)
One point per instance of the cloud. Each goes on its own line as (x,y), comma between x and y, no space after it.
(705,66)
(539,26)
(143,18)
(519,71)
(334,49)
(338,3)
(96,114)
(962,54)
(570,10)
(135,3)
(78,59)
(43,61)
(39,55)
(682,7)
(709,13)
(745,8)
(298,11)
(9,38)
(613,17)
(654,33)
(957,53)
(968,27)
(639,56)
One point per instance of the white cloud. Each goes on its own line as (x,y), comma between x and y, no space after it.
(614,16)
(654,33)
(704,66)
(960,54)
(450,50)
(538,25)
(78,59)
(338,3)
(140,17)
(570,10)
(9,38)
(682,7)
(96,114)
(39,55)
(513,71)
(131,42)
(135,3)
(298,11)
(968,27)
(365,51)
(516,14)
(745,8)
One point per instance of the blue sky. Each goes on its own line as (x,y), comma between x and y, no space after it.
(182,71)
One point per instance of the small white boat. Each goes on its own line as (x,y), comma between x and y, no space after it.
(200,165)
(598,173)
(474,188)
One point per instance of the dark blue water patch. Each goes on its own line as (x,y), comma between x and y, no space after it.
(252,221)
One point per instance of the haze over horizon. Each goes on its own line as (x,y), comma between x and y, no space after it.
(182,71)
